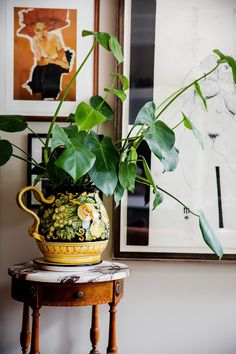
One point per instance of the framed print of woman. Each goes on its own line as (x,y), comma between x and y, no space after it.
(42,27)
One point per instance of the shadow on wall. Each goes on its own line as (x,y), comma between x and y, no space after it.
(10,321)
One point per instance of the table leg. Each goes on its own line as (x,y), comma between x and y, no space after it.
(112,345)
(94,331)
(34,349)
(25,331)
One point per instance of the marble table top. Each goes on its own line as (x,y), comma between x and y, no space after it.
(34,271)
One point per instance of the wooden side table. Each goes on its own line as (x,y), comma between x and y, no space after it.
(80,286)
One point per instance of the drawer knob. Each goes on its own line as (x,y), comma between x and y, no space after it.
(117,289)
(32,292)
(79,294)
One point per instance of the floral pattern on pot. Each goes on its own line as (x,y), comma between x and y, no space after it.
(75,217)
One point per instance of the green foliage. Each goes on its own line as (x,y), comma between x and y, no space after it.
(157,200)
(75,158)
(123,79)
(189,125)
(200,94)
(127,175)
(6,151)
(86,117)
(57,175)
(229,60)
(148,173)
(119,93)
(75,155)
(104,171)
(161,139)
(12,124)
(118,193)
(107,41)
(146,115)
(209,236)
(98,103)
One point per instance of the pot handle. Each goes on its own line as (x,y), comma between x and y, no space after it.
(33,229)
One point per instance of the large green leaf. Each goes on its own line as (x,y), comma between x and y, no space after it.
(118,193)
(127,175)
(86,117)
(5,151)
(160,139)
(119,93)
(71,130)
(209,236)
(104,171)
(170,159)
(189,125)
(146,115)
(75,158)
(59,138)
(116,49)
(229,60)
(62,136)
(12,124)
(98,103)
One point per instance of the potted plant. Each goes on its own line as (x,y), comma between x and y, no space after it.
(72,225)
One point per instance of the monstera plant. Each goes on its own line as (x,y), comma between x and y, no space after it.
(76,156)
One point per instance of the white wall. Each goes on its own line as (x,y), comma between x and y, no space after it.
(168,308)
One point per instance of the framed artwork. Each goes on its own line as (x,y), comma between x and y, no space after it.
(43,48)
(166,45)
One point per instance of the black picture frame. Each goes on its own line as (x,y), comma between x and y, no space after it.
(35,150)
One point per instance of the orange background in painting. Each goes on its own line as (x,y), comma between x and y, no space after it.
(24,59)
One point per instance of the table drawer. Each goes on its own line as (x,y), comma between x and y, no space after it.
(76,294)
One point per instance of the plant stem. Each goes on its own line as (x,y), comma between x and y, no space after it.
(167,99)
(120,140)
(62,100)
(28,161)
(177,124)
(17,147)
(36,135)
(104,99)
(147,183)
(179,201)
(142,180)
(184,89)
(137,137)
(107,94)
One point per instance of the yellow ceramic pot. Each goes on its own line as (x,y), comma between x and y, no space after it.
(70,227)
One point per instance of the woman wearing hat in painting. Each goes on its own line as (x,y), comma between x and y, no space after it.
(52,60)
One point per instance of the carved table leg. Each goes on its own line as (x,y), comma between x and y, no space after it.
(34,349)
(94,332)
(112,345)
(25,331)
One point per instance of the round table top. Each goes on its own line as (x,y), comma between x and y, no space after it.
(40,271)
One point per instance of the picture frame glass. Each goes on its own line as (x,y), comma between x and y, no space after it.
(203,180)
